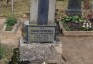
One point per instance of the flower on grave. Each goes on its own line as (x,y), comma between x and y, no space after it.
(87,25)
(83,25)
(90,25)
(44,63)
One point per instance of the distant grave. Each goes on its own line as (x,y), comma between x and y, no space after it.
(74,8)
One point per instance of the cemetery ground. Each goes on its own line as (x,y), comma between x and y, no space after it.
(76,50)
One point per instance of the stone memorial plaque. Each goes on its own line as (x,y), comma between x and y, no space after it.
(41,34)
(42,12)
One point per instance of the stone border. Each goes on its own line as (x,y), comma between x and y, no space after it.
(15,27)
(75,33)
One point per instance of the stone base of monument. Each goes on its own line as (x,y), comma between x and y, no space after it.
(37,53)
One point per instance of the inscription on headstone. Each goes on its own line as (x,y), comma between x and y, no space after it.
(41,34)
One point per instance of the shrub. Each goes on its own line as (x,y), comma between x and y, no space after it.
(1,52)
(10,21)
(65,19)
(74,19)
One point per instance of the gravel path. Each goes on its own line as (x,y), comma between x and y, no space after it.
(78,50)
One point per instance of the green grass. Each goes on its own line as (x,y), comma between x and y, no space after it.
(2,53)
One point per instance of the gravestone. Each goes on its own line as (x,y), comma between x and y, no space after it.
(41,44)
(42,18)
(74,8)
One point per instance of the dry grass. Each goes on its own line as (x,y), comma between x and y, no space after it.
(61,6)
(22,7)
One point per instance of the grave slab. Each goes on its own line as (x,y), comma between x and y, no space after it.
(37,52)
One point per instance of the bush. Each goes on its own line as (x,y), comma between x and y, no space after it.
(1,52)
(11,21)
(74,19)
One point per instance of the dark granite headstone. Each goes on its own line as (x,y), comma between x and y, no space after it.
(74,4)
(43,8)
(74,7)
